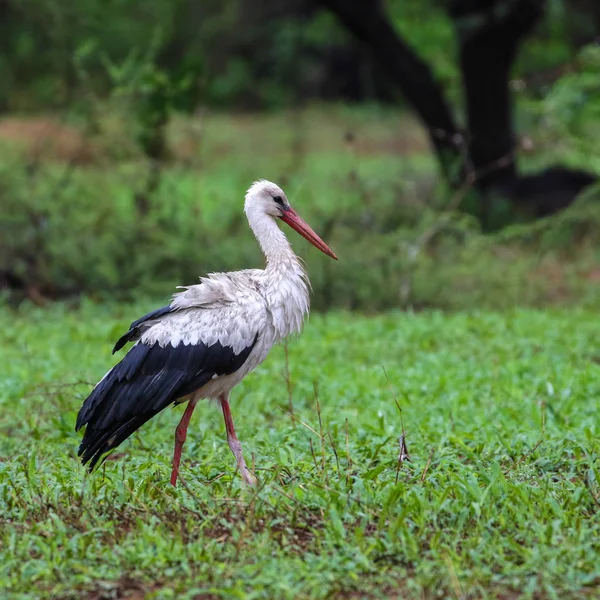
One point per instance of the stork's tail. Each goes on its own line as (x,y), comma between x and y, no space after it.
(127,397)
(98,443)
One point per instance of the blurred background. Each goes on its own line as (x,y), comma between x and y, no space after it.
(448,150)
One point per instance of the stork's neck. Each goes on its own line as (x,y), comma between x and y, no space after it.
(285,280)
(273,242)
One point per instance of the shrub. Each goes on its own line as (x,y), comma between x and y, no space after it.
(67,231)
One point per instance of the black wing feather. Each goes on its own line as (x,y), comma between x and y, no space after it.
(138,327)
(146,381)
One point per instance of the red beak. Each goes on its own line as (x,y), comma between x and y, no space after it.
(297,223)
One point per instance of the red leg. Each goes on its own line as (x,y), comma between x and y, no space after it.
(180,435)
(234,443)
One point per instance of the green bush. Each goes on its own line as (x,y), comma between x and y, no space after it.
(566,120)
(67,231)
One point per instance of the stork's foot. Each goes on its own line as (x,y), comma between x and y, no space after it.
(249,479)
(236,448)
(234,443)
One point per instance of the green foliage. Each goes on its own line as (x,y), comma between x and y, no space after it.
(235,53)
(428,30)
(552,43)
(253,54)
(499,499)
(572,111)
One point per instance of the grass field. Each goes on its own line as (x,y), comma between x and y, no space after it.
(500,498)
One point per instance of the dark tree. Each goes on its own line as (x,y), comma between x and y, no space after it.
(489,33)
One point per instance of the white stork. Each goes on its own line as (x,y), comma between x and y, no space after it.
(206,340)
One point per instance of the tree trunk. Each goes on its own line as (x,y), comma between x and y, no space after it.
(489,33)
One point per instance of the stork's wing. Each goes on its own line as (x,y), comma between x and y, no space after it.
(217,290)
(178,352)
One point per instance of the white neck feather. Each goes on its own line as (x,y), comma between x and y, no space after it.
(273,242)
(285,277)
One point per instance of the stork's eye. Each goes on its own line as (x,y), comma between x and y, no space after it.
(278,200)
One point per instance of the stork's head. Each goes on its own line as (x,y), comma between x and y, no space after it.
(268,198)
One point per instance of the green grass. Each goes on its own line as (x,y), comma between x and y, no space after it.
(501,497)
